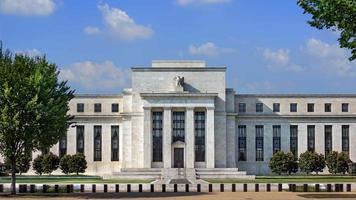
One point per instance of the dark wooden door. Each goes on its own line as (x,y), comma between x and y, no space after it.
(178,158)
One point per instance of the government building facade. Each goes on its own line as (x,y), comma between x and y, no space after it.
(181,115)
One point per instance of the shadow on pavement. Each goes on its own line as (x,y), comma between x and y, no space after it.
(327,196)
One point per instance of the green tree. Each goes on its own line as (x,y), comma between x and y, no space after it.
(310,161)
(33,106)
(278,163)
(37,164)
(64,164)
(336,15)
(343,161)
(331,162)
(78,164)
(50,163)
(23,163)
(292,163)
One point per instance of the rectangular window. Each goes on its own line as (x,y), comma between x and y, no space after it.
(259,142)
(294,140)
(276,138)
(276,107)
(242,107)
(259,107)
(328,139)
(178,126)
(97,143)
(242,156)
(293,107)
(345,107)
(345,138)
(80,139)
(63,146)
(115,143)
(80,107)
(311,137)
(97,107)
(157,129)
(199,126)
(310,107)
(115,107)
(327,107)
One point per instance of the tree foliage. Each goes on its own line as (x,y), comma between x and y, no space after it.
(50,163)
(33,106)
(23,163)
(37,164)
(310,161)
(337,162)
(338,15)
(283,163)
(78,164)
(64,164)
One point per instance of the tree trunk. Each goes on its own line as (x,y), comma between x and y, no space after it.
(13,176)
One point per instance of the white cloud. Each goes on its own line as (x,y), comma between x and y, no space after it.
(27,7)
(329,57)
(209,49)
(90,75)
(119,25)
(280,60)
(199,2)
(90,30)
(30,52)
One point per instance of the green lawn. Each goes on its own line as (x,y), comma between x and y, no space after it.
(48,179)
(290,179)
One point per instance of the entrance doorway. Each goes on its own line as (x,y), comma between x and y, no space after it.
(178,157)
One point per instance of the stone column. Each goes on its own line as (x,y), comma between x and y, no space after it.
(189,138)
(147,137)
(210,144)
(167,137)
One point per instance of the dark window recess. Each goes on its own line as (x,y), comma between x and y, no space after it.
(80,139)
(115,143)
(345,138)
(328,139)
(294,140)
(242,107)
(276,107)
(178,126)
(259,107)
(80,107)
(63,146)
(199,126)
(276,138)
(97,107)
(115,107)
(327,107)
(157,129)
(293,107)
(259,142)
(242,143)
(97,143)
(311,137)
(345,107)
(310,107)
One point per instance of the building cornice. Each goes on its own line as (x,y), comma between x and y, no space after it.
(297,95)
(97,96)
(296,116)
(177,69)
(179,94)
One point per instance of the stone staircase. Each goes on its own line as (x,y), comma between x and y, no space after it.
(136,173)
(222,173)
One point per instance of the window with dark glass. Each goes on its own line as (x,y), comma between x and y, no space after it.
(242,156)
(293,107)
(80,139)
(178,126)
(157,129)
(259,142)
(97,143)
(345,138)
(259,107)
(115,143)
(199,125)
(97,107)
(276,107)
(310,107)
(276,138)
(345,107)
(242,107)
(311,137)
(327,107)
(115,107)
(63,146)
(294,140)
(80,107)
(328,139)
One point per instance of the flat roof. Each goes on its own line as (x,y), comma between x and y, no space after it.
(297,95)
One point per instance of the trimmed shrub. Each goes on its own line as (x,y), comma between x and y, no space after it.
(64,164)
(78,164)
(283,163)
(337,162)
(37,164)
(310,161)
(50,163)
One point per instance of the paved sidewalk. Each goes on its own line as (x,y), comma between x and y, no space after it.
(196,196)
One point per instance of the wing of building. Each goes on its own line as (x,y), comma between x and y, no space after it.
(180,114)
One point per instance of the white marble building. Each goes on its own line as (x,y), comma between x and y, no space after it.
(180,114)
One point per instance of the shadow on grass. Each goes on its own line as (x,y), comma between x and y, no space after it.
(328,196)
(108,195)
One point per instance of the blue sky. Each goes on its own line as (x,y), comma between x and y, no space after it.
(267,46)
